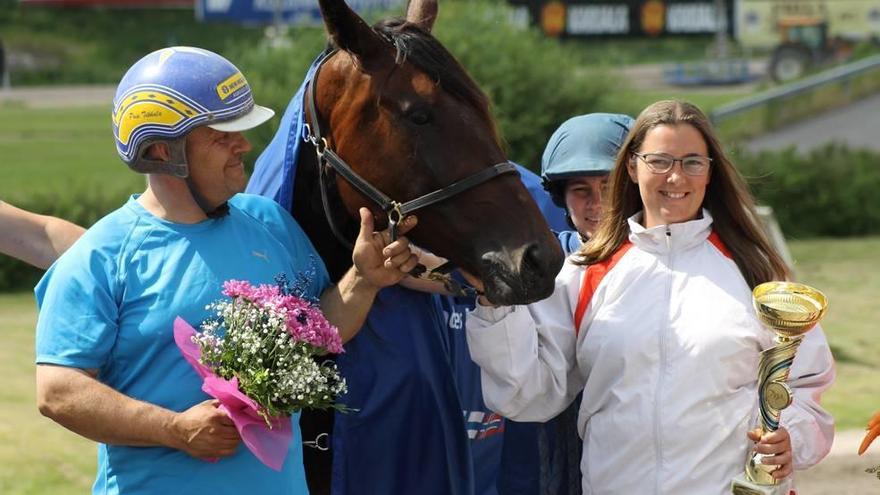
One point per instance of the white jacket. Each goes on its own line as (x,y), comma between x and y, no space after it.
(667,356)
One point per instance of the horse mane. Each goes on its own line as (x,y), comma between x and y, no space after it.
(415,45)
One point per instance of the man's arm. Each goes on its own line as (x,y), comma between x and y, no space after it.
(35,239)
(75,399)
(377,264)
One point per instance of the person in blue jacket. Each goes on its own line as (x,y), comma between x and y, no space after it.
(520,458)
(504,454)
(544,458)
(575,166)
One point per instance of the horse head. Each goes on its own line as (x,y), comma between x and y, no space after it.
(406,117)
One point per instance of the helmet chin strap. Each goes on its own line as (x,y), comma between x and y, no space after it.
(219,211)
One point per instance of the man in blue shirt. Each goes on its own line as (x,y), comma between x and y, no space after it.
(107,365)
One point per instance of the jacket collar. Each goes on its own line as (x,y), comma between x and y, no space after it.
(669,238)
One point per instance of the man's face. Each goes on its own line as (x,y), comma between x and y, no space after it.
(215,164)
(583,200)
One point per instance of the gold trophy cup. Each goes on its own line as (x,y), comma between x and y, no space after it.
(790,310)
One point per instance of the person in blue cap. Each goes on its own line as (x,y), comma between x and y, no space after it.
(543,458)
(107,365)
(539,458)
(575,167)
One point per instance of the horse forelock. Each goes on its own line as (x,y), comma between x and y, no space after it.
(415,45)
(425,52)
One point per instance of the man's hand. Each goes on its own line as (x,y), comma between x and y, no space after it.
(205,432)
(379,262)
(776,444)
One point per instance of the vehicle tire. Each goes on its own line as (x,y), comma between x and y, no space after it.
(790,62)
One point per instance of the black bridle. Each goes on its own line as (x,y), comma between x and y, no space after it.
(328,160)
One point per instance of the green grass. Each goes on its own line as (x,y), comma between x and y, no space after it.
(39,457)
(36,455)
(54,150)
(847,271)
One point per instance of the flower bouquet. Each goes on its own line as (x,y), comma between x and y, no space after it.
(259,355)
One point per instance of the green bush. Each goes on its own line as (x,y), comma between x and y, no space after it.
(534,83)
(275,74)
(831,191)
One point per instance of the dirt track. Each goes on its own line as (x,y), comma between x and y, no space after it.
(842,472)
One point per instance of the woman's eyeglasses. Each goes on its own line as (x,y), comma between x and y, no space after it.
(661,163)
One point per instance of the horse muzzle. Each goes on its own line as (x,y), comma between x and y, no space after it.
(523,275)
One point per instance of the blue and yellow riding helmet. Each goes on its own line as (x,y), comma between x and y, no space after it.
(167,93)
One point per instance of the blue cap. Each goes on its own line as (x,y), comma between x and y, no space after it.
(584,145)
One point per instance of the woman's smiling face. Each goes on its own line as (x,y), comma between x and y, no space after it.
(673,196)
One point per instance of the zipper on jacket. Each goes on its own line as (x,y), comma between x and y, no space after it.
(658,444)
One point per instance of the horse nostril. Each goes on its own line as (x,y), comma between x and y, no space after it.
(533,260)
(541,260)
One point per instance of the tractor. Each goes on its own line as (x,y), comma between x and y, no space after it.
(805,45)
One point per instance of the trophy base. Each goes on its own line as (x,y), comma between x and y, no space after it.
(742,486)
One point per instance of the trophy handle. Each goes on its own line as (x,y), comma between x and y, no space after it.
(774,395)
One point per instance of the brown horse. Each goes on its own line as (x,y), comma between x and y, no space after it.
(402,116)
(405,116)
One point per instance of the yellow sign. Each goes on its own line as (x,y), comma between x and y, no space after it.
(233,83)
(653,17)
(553,19)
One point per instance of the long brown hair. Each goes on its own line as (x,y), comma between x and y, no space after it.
(727,199)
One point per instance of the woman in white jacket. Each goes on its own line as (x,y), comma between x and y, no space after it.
(652,319)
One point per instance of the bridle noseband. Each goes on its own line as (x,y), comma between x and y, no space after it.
(396,211)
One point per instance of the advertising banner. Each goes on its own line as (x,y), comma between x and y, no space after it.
(288,11)
(624,18)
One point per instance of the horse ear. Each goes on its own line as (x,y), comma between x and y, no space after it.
(350,33)
(422,13)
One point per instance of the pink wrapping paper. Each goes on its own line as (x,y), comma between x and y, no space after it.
(270,446)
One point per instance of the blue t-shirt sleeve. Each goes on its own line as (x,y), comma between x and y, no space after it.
(78,314)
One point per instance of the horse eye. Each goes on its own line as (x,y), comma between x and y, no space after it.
(419,116)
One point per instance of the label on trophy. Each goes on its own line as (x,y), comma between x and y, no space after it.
(777,395)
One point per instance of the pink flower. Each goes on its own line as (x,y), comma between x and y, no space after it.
(238,288)
(304,322)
